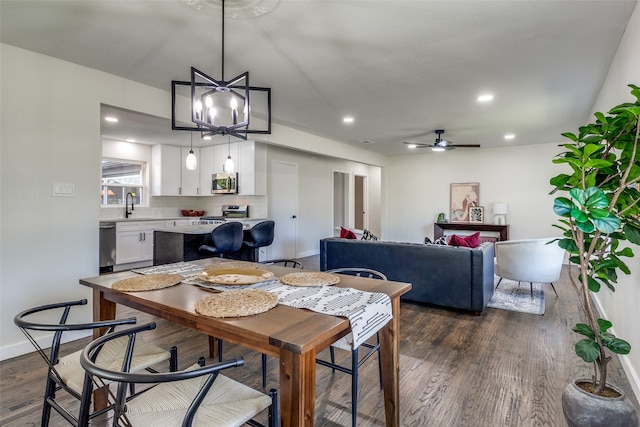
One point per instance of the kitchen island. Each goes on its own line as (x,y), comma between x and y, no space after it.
(181,243)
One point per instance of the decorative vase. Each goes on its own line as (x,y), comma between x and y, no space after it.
(442,218)
(583,409)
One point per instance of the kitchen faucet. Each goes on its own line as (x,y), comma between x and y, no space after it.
(126,205)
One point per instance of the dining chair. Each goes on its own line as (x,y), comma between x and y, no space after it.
(529,260)
(346,343)
(284,262)
(64,371)
(198,395)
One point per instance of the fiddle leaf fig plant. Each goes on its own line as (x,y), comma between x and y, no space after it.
(599,209)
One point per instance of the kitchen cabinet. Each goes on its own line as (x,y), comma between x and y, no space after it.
(189,180)
(134,241)
(165,170)
(250,161)
(207,168)
(181,222)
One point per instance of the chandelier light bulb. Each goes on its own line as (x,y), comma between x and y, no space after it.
(208,101)
(228,166)
(234,103)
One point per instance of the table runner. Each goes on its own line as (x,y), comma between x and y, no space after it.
(367,311)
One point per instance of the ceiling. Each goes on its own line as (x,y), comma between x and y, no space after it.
(400,68)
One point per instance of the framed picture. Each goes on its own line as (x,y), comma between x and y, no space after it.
(463,196)
(476,214)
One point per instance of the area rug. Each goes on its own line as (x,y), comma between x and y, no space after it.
(512,296)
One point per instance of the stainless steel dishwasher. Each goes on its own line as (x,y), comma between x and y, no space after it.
(107,246)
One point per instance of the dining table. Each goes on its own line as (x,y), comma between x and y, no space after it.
(294,335)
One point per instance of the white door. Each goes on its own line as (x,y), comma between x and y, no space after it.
(283,192)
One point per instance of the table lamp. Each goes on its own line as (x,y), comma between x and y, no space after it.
(499,212)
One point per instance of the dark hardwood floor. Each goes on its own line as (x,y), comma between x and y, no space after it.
(498,369)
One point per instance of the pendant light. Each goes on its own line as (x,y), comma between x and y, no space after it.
(228,166)
(192,161)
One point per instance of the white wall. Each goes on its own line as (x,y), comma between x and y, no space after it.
(621,307)
(419,188)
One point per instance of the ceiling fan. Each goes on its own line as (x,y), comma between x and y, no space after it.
(440,144)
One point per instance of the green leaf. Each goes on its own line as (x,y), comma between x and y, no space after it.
(632,233)
(570,136)
(607,225)
(578,195)
(604,325)
(560,180)
(596,198)
(584,329)
(594,285)
(579,216)
(617,345)
(597,163)
(628,252)
(562,206)
(588,350)
(586,227)
(598,213)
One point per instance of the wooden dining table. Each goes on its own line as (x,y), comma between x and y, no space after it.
(291,334)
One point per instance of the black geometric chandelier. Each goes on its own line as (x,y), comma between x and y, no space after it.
(221,107)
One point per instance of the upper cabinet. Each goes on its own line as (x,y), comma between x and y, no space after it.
(165,170)
(170,177)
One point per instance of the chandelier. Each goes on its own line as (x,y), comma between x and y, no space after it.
(221,107)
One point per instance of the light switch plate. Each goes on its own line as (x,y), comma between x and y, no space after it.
(63,189)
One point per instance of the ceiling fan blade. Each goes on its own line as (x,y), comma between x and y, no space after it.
(417,144)
(465,145)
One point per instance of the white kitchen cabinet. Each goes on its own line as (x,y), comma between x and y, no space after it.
(165,170)
(181,222)
(134,240)
(250,161)
(189,180)
(207,168)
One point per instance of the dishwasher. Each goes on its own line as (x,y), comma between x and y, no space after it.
(107,246)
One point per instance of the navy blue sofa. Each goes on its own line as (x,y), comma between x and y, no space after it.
(446,276)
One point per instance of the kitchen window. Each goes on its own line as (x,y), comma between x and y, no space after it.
(120,178)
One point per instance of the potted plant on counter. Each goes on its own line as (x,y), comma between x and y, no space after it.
(599,216)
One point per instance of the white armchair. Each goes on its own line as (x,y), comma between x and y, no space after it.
(529,260)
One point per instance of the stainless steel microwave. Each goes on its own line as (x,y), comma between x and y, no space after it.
(224,183)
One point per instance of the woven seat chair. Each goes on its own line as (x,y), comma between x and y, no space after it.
(346,343)
(197,396)
(64,372)
(284,262)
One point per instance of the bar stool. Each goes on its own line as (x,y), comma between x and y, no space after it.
(223,239)
(260,235)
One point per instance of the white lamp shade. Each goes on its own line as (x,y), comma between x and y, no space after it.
(191,161)
(228,166)
(500,208)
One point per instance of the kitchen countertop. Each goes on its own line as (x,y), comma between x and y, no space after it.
(171,218)
(206,228)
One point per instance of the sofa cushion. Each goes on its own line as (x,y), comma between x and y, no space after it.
(471,241)
(347,234)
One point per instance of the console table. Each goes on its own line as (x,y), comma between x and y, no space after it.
(438,228)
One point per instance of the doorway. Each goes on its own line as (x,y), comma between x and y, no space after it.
(340,201)
(283,192)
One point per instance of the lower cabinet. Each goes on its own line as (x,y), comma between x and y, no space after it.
(134,241)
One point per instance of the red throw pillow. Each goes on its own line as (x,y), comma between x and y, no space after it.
(347,234)
(471,241)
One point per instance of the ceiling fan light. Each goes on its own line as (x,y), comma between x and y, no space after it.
(438,149)
(412,146)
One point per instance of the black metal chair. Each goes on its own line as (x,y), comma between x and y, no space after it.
(345,344)
(258,236)
(224,239)
(65,372)
(198,394)
(284,262)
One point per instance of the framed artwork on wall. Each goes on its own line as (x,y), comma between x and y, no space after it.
(463,196)
(476,214)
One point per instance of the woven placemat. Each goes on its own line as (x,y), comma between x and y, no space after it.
(148,282)
(309,278)
(245,302)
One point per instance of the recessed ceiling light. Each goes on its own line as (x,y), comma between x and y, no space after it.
(485,98)
(509,136)
(131,140)
(111,119)
(347,119)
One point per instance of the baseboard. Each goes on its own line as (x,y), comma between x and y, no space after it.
(25,347)
(308,253)
(632,375)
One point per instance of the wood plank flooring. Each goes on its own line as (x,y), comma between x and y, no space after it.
(498,369)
